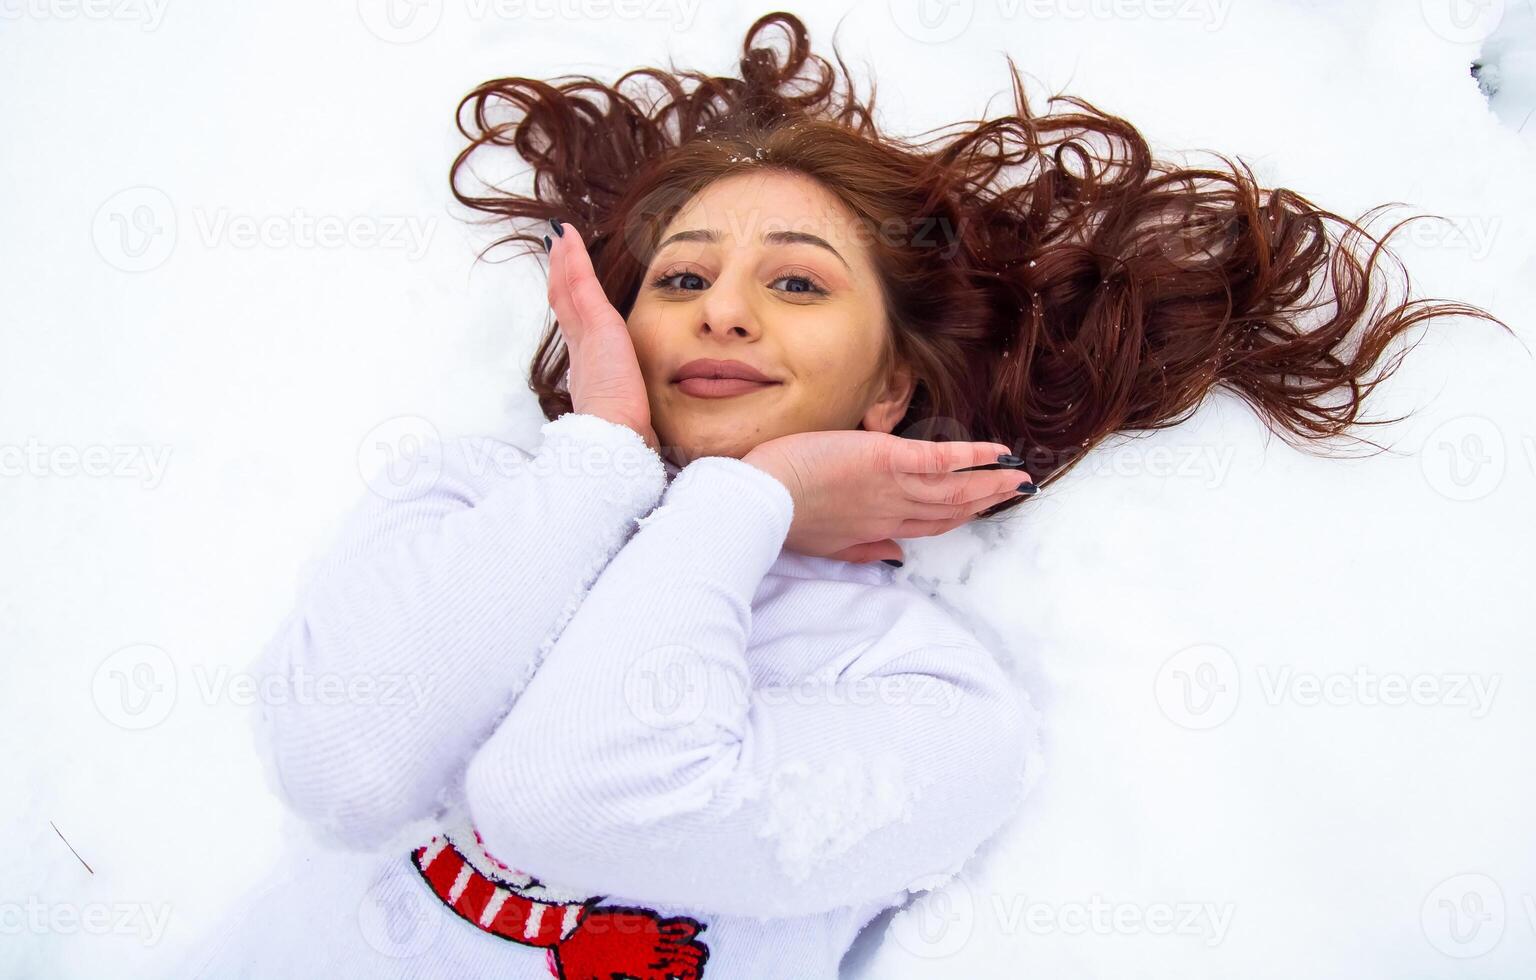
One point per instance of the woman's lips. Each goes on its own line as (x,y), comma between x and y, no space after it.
(720,387)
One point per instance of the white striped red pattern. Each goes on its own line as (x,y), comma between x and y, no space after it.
(489,905)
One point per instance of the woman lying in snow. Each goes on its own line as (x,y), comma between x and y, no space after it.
(670,717)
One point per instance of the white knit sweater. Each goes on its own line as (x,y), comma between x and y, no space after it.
(554,698)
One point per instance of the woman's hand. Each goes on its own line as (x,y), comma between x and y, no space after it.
(605,373)
(854,491)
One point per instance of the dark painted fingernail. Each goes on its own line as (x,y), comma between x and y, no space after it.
(892,562)
(558,230)
(546,243)
(1028,489)
(1010,460)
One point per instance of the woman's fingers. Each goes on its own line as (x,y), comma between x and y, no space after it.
(922,456)
(960,489)
(922,470)
(579,279)
(868,551)
(559,294)
(567,297)
(927,474)
(960,512)
(927,471)
(605,375)
(922,527)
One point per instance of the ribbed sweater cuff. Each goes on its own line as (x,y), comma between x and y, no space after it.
(733,494)
(577,443)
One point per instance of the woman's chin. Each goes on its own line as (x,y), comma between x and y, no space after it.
(693,444)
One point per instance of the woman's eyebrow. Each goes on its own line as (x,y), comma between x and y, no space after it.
(710,236)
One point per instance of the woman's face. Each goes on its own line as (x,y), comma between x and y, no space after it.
(767,269)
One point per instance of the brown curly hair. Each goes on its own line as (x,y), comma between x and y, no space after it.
(1047,280)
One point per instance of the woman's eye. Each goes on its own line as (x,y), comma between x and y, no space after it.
(801,283)
(664,280)
(810,285)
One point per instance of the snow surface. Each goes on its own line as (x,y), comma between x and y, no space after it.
(1290,700)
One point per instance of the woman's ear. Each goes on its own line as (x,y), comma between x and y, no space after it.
(891,405)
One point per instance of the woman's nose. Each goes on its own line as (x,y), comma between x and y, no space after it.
(727,311)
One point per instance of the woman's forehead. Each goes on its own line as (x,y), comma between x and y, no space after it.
(743,208)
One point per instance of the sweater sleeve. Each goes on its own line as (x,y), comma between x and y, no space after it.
(643,762)
(424,621)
